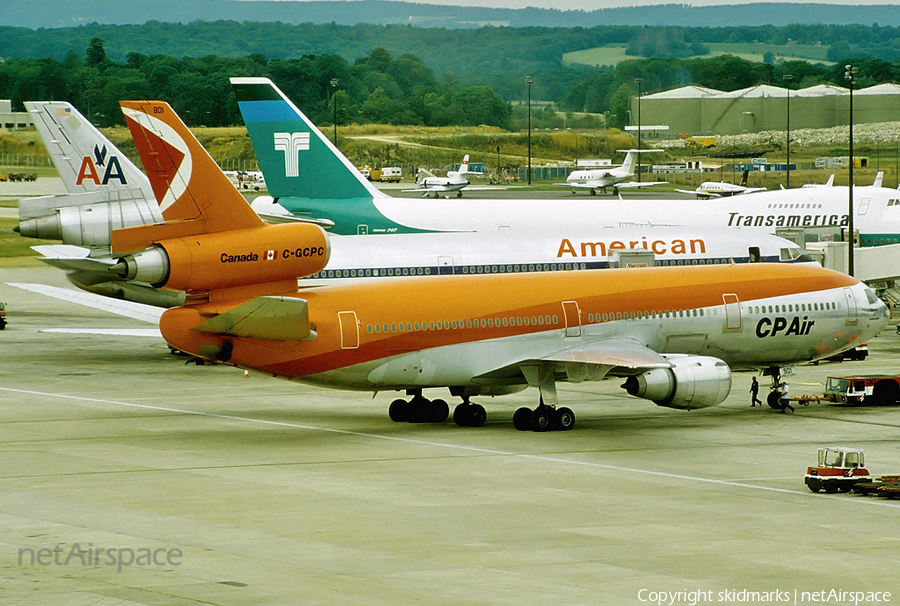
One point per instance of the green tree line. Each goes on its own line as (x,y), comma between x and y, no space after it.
(379,88)
(376,88)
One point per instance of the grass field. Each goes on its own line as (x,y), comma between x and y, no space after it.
(612,55)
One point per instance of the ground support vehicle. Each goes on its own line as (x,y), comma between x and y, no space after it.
(855,389)
(883,486)
(838,469)
(2,315)
(390,174)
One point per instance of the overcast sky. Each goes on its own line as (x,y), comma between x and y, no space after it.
(590,5)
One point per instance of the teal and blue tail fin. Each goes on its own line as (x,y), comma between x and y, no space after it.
(297,160)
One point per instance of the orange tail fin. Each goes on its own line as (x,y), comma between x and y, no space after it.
(194,195)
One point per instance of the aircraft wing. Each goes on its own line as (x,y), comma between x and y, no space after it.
(699,194)
(137,311)
(592,361)
(639,184)
(587,184)
(751,190)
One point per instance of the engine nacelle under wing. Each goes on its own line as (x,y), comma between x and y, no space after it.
(691,382)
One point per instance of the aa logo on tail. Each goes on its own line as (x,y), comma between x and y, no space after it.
(291,144)
(90,169)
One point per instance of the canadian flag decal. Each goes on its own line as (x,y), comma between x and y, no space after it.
(270,255)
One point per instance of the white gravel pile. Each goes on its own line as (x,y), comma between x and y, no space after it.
(881,133)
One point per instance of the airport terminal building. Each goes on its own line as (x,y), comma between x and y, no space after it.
(695,110)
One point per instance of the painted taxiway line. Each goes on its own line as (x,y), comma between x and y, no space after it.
(459,447)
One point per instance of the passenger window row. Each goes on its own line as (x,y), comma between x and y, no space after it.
(506,321)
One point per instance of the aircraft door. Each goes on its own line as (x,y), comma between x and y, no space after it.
(851,306)
(445,265)
(864,205)
(732,311)
(362,230)
(349,329)
(753,254)
(572,317)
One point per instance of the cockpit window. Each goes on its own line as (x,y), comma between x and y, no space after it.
(870,296)
(790,254)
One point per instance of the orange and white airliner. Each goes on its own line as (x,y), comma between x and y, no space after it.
(672,332)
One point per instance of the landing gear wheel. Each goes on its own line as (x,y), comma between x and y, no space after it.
(565,419)
(469,415)
(772,399)
(399,411)
(459,194)
(541,419)
(420,410)
(439,411)
(522,419)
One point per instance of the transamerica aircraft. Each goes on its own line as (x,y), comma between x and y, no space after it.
(672,333)
(328,188)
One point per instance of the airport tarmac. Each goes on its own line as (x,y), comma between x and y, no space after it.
(260,491)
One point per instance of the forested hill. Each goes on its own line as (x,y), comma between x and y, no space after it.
(66,13)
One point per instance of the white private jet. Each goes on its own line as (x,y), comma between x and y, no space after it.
(717,189)
(455,181)
(593,179)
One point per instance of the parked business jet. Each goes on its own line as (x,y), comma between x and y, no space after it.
(593,179)
(331,190)
(718,189)
(455,181)
(672,333)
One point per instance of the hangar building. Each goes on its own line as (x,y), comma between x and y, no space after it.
(695,110)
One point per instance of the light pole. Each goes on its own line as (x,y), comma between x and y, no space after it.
(334,85)
(638,81)
(529,81)
(850,76)
(788,78)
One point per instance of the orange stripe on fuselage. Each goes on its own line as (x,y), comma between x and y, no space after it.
(449,298)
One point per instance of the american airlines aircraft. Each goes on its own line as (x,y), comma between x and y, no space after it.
(672,333)
(330,190)
(80,222)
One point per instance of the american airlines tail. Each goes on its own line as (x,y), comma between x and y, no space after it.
(296,158)
(105,190)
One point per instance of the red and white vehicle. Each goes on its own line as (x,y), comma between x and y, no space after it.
(858,389)
(838,469)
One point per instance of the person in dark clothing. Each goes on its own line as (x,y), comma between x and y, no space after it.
(754,393)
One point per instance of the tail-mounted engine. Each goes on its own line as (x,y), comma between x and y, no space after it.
(87,224)
(206,262)
(691,382)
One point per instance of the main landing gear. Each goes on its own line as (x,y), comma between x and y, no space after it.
(421,410)
(544,418)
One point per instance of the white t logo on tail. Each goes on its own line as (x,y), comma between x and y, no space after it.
(291,144)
